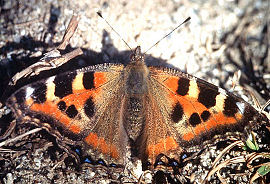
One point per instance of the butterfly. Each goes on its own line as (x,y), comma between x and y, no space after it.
(110,109)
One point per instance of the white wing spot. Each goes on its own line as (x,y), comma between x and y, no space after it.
(222,91)
(50,89)
(51,79)
(29,92)
(241,107)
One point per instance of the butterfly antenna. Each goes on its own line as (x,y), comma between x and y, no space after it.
(99,14)
(168,34)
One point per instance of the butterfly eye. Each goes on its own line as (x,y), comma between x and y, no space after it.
(132,57)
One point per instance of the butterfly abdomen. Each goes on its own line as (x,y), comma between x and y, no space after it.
(134,116)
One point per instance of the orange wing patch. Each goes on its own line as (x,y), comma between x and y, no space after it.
(163,146)
(101,145)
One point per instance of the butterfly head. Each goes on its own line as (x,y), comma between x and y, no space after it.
(137,56)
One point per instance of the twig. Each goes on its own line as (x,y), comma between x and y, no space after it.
(20,136)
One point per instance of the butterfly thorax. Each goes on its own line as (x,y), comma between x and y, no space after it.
(136,74)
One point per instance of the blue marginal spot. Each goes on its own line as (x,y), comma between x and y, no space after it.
(78,151)
(113,165)
(160,163)
(174,164)
(184,156)
(148,163)
(101,162)
(87,160)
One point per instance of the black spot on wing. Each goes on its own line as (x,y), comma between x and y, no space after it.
(183,86)
(62,106)
(63,84)
(177,113)
(71,111)
(88,80)
(230,107)
(194,119)
(39,94)
(207,96)
(89,107)
(205,115)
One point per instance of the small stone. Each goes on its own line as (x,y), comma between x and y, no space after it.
(9,179)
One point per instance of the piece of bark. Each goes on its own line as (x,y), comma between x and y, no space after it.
(52,59)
